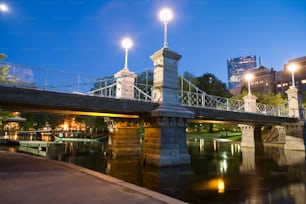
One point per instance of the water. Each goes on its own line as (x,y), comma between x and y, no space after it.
(220,172)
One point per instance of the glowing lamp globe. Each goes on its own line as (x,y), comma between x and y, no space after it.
(165,15)
(126,43)
(292,67)
(249,77)
(3,7)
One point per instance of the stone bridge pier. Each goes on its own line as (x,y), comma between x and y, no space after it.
(123,137)
(165,129)
(247,130)
(292,136)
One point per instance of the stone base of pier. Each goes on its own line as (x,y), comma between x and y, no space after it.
(165,137)
(123,138)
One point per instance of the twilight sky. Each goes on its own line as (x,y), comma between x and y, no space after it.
(84,36)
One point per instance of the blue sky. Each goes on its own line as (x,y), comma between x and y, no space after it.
(84,36)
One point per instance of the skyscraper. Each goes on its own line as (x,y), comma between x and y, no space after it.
(236,68)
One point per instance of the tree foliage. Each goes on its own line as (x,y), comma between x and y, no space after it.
(304,98)
(270,98)
(145,78)
(190,77)
(5,77)
(4,115)
(212,85)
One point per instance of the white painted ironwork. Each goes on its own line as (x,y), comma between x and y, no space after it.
(189,94)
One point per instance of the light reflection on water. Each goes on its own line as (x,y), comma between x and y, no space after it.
(220,172)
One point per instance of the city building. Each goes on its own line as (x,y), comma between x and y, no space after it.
(236,68)
(284,78)
(264,80)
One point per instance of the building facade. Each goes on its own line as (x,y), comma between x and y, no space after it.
(284,78)
(236,68)
(271,81)
(264,80)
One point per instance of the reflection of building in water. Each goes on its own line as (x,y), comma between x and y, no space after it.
(201,145)
(235,148)
(248,160)
(294,193)
(223,166)
(70,124)
(294,157)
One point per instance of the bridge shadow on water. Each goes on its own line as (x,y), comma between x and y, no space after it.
(220,172)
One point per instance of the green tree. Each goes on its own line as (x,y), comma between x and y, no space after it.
(190,77)
(5,77)
(270,98)
(304,98)
(212,85)
(145,78)
(38,120)
(96,124)
(4,115)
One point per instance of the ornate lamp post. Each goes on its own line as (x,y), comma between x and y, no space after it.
(126,44)
(165,15)
(292,68)
(249,77)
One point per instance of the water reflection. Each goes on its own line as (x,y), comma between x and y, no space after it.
(220,172)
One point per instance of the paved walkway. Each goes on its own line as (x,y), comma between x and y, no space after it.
(29,179)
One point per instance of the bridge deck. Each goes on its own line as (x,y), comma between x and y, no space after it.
(26,99)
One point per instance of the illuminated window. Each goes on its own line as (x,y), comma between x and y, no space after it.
(303,81)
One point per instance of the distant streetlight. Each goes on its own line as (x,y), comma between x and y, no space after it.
(249,77)
(292,68)
(165,15)
(126,44)
(4,8)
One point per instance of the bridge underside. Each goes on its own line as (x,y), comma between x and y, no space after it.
(33,100)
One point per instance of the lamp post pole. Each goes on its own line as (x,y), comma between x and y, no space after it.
(292,68)
(249,77)
(165,16)
(126,44)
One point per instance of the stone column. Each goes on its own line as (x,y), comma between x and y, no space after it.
(125,83)
(295,137)
(165,82)
(165,129)
(123,137)
(293,101)
(250,103)
(247,139)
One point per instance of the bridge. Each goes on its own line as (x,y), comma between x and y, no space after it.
(165,106)
(38,100)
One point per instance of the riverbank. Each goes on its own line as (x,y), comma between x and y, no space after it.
(31,179)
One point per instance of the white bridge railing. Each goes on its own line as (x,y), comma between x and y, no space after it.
(189,94)
(108,88)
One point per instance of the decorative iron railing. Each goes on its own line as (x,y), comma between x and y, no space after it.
(189,94)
